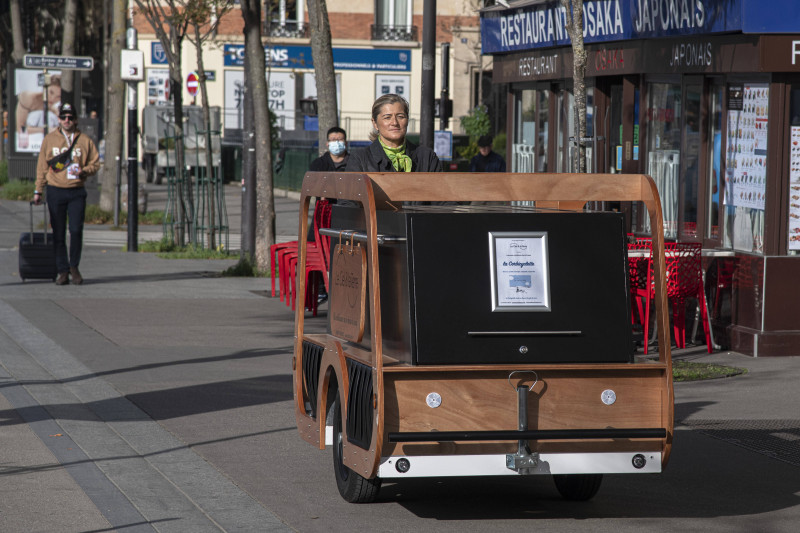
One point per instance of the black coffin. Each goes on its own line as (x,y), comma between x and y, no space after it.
(437,297)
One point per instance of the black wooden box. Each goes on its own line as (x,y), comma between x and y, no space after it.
(438,304)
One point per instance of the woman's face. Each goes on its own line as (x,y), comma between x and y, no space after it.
(53,95)
(392,123)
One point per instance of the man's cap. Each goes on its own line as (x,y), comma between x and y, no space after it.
(66,109)
(485,140)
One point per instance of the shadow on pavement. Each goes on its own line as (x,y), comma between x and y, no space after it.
(164,404)
(245,354)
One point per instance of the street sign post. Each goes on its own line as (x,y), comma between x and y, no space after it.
(58,62)
(192,84)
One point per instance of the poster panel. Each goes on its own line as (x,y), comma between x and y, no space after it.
(747,147)
(29,115)
(794,188)
(392,84)
(281,93)
(158,91)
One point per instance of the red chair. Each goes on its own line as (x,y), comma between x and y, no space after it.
(281,252)
(638,269)
(317,262)
(684,281)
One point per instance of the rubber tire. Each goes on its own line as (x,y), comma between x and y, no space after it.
(352,487)
(577,487)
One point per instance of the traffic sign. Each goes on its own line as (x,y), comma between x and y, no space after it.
(192,83)
(58,62)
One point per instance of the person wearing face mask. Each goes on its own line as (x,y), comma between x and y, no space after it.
(335,159)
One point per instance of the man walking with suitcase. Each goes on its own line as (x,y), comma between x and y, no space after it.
(66,160)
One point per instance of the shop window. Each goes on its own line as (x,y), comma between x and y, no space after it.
(794,174)
(529,149)
(615,131)
(542,134)
(524,146)
(714,166)
(746,166)
(691,161)
(565,105)
(663,144)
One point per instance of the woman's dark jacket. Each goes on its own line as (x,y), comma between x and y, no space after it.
(373,159)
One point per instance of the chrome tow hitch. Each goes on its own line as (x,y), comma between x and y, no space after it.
(523,460)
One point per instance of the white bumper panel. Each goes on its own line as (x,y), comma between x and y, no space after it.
(495,465)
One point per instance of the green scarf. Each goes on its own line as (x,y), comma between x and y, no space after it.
(400,161)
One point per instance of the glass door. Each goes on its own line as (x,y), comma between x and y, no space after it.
(565,106)
(691,157)
(664,149)
(714,177)
(531,136)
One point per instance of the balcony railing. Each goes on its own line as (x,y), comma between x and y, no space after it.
(382,32)
(288,29)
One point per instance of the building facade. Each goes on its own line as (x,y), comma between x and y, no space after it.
(376,49)
(702,95)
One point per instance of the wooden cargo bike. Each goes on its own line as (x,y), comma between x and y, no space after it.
(481,340)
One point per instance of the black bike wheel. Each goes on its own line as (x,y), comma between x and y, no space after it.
(353,487)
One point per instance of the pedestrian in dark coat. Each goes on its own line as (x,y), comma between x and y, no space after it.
(487,160)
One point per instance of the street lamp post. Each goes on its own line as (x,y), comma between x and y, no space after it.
(133,154)
(428,72)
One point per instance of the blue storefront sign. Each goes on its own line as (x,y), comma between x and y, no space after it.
(343,58)
(544,24)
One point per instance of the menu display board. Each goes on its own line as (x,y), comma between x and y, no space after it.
(794,188)
(746,153)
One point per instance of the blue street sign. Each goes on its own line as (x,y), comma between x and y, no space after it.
(58,62)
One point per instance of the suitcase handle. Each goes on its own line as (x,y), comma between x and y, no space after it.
(44,204)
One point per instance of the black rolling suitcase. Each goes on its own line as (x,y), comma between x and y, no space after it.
(37,257)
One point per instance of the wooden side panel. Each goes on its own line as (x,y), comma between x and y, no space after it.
(485,401)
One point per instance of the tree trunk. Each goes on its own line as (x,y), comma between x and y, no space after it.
(183,187)
(574,18)
(322,53)
(115,112)
(68,49)
(16,32)
(207,122)
(155,11)
(4,125)
(256,80)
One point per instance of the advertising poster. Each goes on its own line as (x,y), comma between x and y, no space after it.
(158,86)
(519,266)
(392,84)
(443,144)
(747,147)
(281,91)
(29,114)
(794,188)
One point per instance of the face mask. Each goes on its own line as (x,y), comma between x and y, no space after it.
(336,147)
